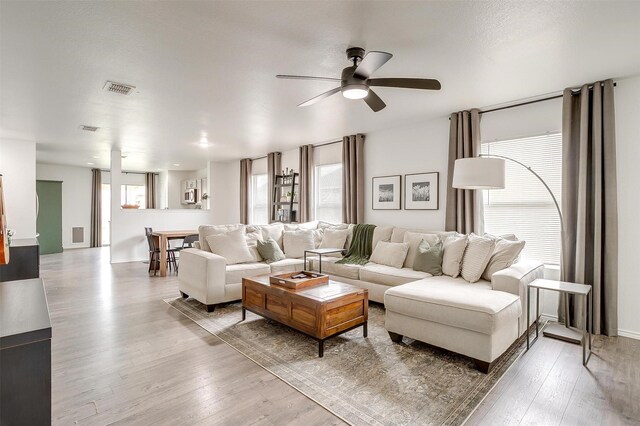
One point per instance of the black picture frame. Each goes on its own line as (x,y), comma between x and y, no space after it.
(378,201)
(432,182)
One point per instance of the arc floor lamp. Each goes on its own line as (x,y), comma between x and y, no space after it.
(487,171)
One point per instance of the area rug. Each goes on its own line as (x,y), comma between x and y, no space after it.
(364,381)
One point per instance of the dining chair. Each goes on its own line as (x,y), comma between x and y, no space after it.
(154,253)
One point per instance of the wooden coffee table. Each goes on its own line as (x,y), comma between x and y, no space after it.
(320,312)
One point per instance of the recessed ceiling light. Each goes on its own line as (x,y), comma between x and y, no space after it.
(91,164)
(96,156)
(176,164)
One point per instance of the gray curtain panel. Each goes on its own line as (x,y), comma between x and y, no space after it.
(589,203)
(150,190)
(462,204)
(305,196)
(273,168)
(245,189)
(96,208)
(353,179)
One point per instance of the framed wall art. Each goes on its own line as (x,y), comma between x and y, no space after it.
(421,191)
(386,192)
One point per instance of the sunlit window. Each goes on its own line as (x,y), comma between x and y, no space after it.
(328,192)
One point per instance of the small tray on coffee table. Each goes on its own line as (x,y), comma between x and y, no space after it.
(298,280)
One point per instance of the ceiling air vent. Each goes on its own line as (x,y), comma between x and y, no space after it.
(119,88)
(89,128)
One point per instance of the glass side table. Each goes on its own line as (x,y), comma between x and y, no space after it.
(559,331)
(319,252)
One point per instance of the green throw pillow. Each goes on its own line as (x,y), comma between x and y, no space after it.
(270,250)
(429,258)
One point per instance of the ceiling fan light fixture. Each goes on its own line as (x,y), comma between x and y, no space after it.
(355,91)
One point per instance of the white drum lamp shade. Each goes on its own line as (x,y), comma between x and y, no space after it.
(478,173)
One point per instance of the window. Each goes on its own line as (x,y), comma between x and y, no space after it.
(259,205)
(524,207)
(133,194)
(328,193)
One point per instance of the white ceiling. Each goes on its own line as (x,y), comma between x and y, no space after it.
(208,68)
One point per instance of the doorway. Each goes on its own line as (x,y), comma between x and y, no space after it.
(49,219)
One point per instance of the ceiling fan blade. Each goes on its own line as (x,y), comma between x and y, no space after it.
(320,97)
(374,101)
(407,83)
(306,77)
(370,63)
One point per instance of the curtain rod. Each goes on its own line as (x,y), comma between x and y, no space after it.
(548,98)
(314,145)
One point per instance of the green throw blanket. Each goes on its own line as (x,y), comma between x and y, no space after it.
(360,248)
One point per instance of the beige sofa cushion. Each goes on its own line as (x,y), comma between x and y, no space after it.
(286,265)
(334,238)
(454,246)
(390,254)
(476,257)
(232,246)
(275,231)
(381,233)
(505,254)
(414,239)
(329,266)
(397,236)
(454,302)
(205,230)
(235,273)
(387,275)
(296,242)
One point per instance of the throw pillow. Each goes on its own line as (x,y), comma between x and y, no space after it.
(296,242)
(231,245)
(253,237)
(414,239)
(453,246)
(334,238)
(505,254)
(476,257)
(381,233)
(429,258)
(275,231)
(205,230)
(390,254)
(270,250)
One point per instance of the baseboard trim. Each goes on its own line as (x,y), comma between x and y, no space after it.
(630,334)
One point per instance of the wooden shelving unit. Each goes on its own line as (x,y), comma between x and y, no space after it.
(285,211)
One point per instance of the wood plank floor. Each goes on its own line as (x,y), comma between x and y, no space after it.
(120,355)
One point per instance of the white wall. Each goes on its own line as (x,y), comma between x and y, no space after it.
(417,148)
(627,103)
(76,199)
(18,169)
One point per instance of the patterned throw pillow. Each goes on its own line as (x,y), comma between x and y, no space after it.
(476,257)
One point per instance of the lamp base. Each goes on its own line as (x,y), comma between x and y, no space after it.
(560,332)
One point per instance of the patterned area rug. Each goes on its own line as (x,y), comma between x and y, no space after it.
(370,381)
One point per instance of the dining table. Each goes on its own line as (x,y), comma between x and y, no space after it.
(162,241)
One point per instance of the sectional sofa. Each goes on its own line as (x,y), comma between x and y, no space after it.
(479,320)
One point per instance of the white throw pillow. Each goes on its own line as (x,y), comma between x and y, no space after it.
(390,254)
(476,257)
(414,239)
(454,247)
(232,246)
(296,242)
(505,254)
(205,230)
(334,238)
(381,233)
(252,241)
(275,231)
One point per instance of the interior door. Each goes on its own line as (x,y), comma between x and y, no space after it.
(49,221)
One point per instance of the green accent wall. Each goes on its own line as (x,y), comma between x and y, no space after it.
(49,221)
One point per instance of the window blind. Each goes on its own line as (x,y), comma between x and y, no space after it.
(328,193)
(524,207)
(259,205)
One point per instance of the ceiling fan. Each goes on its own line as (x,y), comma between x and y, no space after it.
(356,82)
